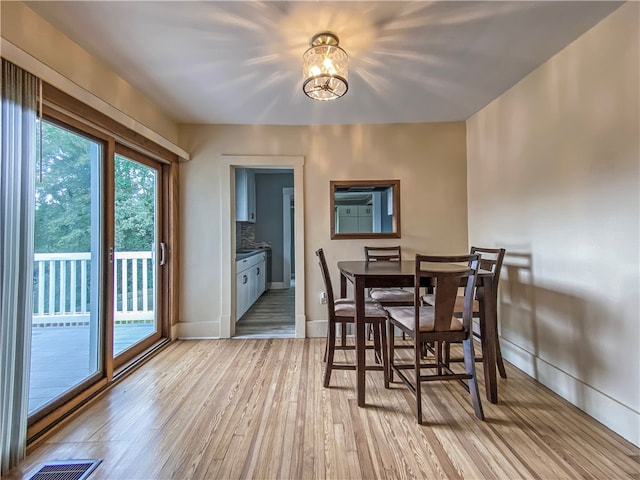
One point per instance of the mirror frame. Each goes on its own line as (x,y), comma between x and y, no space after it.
(334,184)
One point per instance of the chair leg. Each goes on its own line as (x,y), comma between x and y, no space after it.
(499,361)
(385,354)
(390,350)
(447,354)
(375,327)
(417,352)
(470,369)
(330,349)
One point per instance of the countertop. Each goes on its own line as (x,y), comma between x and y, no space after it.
(248,252)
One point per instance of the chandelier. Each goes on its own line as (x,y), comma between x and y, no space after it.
(324,67)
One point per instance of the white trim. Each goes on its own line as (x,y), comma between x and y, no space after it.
(228,164)
(197,330)
(175,330)
(616,416)
(301,325)
(30,63)
(279,285)
(317,328)
(287,193)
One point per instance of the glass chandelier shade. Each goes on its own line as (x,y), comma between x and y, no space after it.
(325,68)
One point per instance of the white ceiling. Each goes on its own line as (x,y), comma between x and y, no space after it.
(239,62)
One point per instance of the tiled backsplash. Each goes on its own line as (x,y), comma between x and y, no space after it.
(245,235)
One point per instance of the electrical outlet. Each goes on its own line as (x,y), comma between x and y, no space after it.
(323,297)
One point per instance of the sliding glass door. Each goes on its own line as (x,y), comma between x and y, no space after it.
(98,256)
(102,294)
(67,319)
(138,253)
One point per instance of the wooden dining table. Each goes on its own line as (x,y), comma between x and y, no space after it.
(363,275)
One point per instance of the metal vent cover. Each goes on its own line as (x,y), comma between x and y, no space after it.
(65,470)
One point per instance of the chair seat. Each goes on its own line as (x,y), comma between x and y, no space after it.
(459,306)
(351,300)
(391,295)
(406,315)
(346,308)
(429,299)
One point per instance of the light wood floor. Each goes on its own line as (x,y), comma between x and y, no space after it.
(225,409)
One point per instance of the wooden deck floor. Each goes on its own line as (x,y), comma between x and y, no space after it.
(226,409)
(60,357)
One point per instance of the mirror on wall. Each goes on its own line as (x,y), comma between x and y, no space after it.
(365,209)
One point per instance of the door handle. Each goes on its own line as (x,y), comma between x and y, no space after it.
(162,253)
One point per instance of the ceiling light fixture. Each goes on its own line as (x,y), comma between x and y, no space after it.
(324,67)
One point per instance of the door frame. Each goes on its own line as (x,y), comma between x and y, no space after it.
(287,193)
(228,165)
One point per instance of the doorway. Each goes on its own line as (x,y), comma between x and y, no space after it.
(231,239)
(265,294)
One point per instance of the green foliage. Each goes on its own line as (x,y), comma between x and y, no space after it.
(63,196)
(135,198)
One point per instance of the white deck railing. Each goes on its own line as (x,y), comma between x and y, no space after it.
(62,287)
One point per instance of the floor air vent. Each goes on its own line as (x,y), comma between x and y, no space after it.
(65,470)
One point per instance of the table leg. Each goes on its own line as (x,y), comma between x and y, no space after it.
(343,286)
(489,337)
(360,340)
(343,294)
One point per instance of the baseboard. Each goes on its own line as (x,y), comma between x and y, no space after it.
(606,410)
(316,329)
(279,286)
(174,332)
(198,330)
(301,326)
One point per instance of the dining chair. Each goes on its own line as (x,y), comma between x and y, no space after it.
(343,311)
(490,259)
(435,323)
(388,297)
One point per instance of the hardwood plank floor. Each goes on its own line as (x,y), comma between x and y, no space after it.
(228,409)
(271,316)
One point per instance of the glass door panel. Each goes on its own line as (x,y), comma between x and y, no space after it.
(136,246)
(67,324)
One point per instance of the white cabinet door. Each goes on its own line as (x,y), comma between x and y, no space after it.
(250,282)
(261,279)
(242,294)
(245,195)
(251,196)
(364,210)
(365,224)
(347,211)
(257,281)
(347,225)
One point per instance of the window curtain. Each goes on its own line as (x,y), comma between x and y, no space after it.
(17,185)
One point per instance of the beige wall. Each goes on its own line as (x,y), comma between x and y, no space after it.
(429,160)
(553,173)
(30,33)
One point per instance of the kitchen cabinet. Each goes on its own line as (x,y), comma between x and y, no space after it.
(245,195)
(354,219)
(242,294)
(250,282)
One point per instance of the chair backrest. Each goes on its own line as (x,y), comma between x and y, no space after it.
(447,278)
(491,259)
(383,254)
(322,261)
